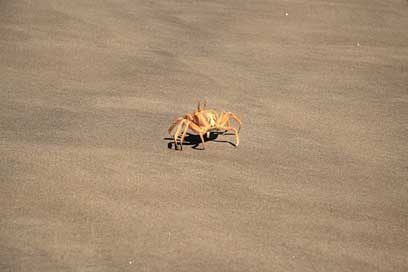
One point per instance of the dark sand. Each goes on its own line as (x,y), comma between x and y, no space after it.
(319,182)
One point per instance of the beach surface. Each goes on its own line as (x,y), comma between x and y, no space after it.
(319,181)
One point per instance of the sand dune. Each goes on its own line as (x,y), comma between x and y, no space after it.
(318,183)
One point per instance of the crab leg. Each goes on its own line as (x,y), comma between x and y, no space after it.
(225,117)
(179,127)
(175,122)
(193,127)
(186,117)
(202,140)
(235,117)
(198,130)
(184,134)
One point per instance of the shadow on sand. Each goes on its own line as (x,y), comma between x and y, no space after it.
(194,140)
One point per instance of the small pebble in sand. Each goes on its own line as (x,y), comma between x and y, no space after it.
(130,262)
(358,44)
(286,14)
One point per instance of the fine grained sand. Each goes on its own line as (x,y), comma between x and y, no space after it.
(319,182)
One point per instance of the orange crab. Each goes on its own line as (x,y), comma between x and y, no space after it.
(203,121)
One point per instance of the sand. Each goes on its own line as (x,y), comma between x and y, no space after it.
(318,183)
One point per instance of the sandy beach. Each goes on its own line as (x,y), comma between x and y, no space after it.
(318,183)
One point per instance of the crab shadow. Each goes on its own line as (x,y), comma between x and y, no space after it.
(194,140)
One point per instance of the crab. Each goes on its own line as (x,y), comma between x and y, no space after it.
(203,121)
